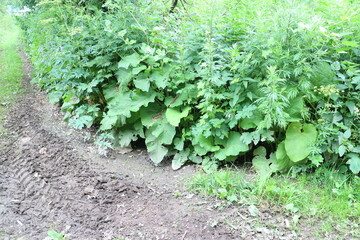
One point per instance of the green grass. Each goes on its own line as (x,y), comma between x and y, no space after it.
(325,197)
(10,62)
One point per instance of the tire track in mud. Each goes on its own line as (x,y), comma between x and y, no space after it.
(57,187)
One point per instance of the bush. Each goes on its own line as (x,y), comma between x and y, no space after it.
(208,84)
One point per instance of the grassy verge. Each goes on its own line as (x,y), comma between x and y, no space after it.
(10,62)
(327,198)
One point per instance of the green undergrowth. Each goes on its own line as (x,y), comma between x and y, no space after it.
(327,197)
(210,84)
(10,62)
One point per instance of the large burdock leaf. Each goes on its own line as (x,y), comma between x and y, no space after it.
(299,139)
(174,116)
(159,134)
(233,147)
(282,161)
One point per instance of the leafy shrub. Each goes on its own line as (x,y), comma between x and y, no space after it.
(209,84)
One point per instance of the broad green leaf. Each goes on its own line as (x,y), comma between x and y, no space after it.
(160,79)
(351,106)
(123,103)
(347,133)
(342,150)
(354,162)
(207,143)
(137,70)
(126,136)
(108,122)
(123,76)
(82,121)
(295,109)
(299,140)
(262,165)
(142,84)
(163,131)
(195,159)
(282,161)
(251,122)
(55,96)
(174,116)
(156,150)
(199,150)
(131,60)
(233,146)
(150,114)
(180,159)
(179,144)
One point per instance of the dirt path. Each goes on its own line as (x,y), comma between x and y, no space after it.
(51,179)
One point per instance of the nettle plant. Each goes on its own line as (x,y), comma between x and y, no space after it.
(277,82)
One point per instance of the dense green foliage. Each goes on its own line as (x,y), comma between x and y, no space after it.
(209,84)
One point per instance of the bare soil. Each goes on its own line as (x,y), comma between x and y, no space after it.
(50,178)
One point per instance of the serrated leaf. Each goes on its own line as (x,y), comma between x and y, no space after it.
(316,159)
(209,166)
(246,137)
(131,60)
(233,146)
(81,122)
(299,140)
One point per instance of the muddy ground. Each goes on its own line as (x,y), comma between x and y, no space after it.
(50,178)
